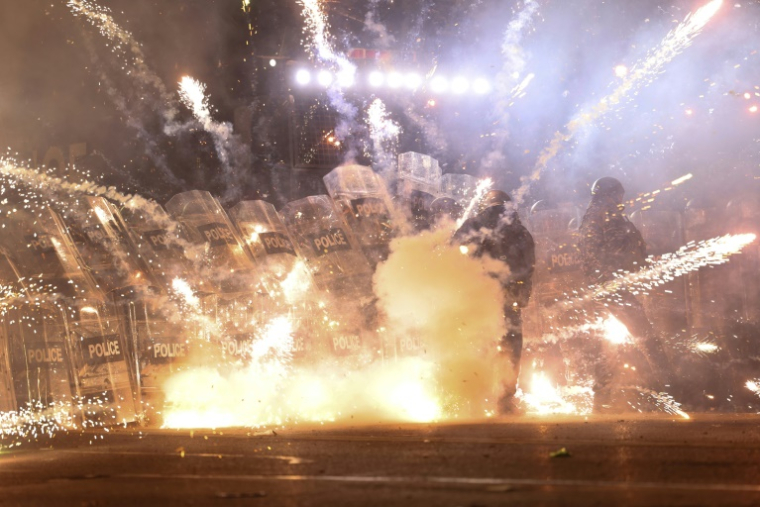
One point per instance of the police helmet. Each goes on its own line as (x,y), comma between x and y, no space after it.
(607,187)
(493,198)
(446,206)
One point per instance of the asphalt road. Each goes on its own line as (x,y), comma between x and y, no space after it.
(643,460)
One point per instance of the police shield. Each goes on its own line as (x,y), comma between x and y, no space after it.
(363,199)
(216,250)
(157,345)
(558,264)
(102,379)
(266,238)
(418,182)
(44,255)
(104,243)
(161,242)
(323,239)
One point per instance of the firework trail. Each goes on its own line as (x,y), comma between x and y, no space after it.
(689,258)
(484,186)
(662,401)
(230,151)
(640,76)
(45,183)
(132,120)
(193,95)
(124,43)
(320,46)
(510,82)
(384,134)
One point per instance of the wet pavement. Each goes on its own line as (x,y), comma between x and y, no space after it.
(623,460)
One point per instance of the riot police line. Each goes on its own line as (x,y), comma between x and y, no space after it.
(86,323)
(90,322)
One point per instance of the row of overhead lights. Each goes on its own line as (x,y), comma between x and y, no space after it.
(411,81)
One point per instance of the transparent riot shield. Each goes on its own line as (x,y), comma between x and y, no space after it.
(44,255)
(267,239)
(665,303)
(7,395)
(10,292)
(161,242)
(418,183)
(39,358)
(362,197)
(322,239)
(558,265)
(98,348)
(216,249)
(159,339)
(460,187)
(338,266)
(104,244)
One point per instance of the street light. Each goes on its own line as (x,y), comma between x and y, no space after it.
(439,84)
(376,79)
(413,81)
(325,78)
(303,77)
(459,85)
(395,79)
(481,86)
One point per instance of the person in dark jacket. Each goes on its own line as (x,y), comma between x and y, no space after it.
(496,231)
(610,244)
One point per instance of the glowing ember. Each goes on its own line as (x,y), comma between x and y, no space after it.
(544,398)
(193,95)
(682,179)
(705,347)
(183,288)
(615,331)
(754,386)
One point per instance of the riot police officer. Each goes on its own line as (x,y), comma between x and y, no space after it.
(610,244)
(496,231)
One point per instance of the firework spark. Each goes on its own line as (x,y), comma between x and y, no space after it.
(383,132)
(753,385)
(122,42)
(544,398)
(688,258)
(484,186)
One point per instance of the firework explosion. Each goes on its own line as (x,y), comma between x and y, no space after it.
(248,359)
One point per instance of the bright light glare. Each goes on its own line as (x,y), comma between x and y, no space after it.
(753,109)
(303,77)
(376,78)
(481,86)
(615,331)
(345,79)
(438,84)
(460,85)
(273,63)
(395,79)
(325,78)
(413,81)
